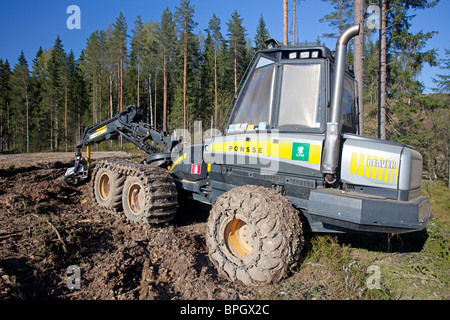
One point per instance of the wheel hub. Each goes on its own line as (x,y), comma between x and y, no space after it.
(136,198)
(238,238)
(104,186)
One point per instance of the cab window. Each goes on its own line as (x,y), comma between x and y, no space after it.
(300,96)
(253,107)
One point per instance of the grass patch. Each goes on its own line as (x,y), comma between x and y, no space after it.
(411,266)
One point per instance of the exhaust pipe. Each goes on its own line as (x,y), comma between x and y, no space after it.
(330,156)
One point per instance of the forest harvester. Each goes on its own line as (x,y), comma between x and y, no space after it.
(289,160)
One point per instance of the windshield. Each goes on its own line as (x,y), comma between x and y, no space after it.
(300,96)
(253,108)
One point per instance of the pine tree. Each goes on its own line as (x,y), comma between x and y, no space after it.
(109,59)
(78,100)
(340,19)
(285,22)
(90,66)
(443,80)
(383,75)
(358,59)
(207,107)
(137,53)
(237,35)
(20,81)
(262,34)
(166,36)
(151,64)
(120,47)
(217,38)
(69,106)
(40,118)
(185,23)
(56,65)
(405,56)
(294,20)
(5,100)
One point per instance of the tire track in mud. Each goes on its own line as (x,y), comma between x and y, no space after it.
(47,226)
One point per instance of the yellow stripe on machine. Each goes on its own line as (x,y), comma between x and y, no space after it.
(315,152)
(354,163)
(180,158)
(361,164)
(280,149)
(374,167)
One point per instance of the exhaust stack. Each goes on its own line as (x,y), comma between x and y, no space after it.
(330,156)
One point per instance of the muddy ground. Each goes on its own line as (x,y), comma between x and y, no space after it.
(46,226)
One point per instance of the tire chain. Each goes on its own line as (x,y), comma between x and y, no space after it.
(161,189)
(287,252)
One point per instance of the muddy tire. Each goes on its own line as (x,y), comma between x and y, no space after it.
(254,235)
(133,199)
(150,200)
(108,188)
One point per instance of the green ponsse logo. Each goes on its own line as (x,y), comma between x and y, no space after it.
(300,151)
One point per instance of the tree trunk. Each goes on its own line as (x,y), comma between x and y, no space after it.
(111,112)
(150,110)
(215,86)
(164,91)
(121,83)
(154,110)
(285,22)
(8,127)
(235,67)
(65,117)
(293,24)
(137,98)
(118,84)
(184,74)
(358,60)
(1,128)
(56,127)
(99,96)
(382,129)
(28,119)
(51,129)
(78,121)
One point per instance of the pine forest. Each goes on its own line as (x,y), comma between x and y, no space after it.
(179,75)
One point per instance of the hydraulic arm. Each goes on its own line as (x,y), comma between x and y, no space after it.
(129,125)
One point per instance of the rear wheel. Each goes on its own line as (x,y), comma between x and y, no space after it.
(151,199)
(133,198)
(108,188)
(254,235)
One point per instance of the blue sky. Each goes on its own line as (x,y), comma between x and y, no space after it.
(26,25)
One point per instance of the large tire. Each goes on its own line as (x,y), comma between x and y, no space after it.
(133,199)
(254,235)
(108,188)
(151,199)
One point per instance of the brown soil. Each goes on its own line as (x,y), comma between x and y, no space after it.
(47,226)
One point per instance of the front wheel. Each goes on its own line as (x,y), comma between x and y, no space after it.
(254,235)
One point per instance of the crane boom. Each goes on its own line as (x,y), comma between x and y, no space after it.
(128,124)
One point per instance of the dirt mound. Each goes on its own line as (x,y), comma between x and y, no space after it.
(46,226)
